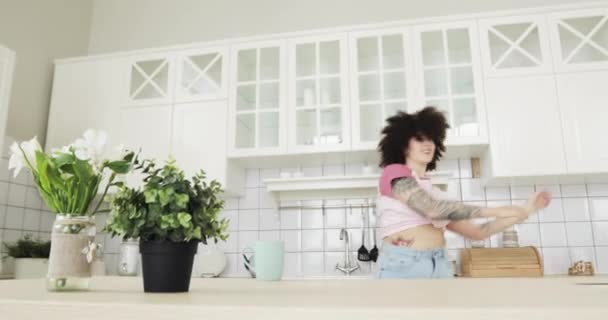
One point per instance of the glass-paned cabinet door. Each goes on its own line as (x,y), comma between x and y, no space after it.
(319,116)
(515,45)
(449,69)
(201,74)
(381,81)
(258,113)
(580,39)
(150,79)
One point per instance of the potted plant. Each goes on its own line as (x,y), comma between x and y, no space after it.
(169,216)
(31,257)
(68,180)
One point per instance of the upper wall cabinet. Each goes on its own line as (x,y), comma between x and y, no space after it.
(150,80)
(382,81)
(515,46)
(449,69)
(580,39)
(258,97)
(201,75)
(319,117)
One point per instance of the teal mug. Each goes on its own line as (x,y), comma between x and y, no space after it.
(268,256)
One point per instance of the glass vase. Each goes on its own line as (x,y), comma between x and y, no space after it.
(73,250)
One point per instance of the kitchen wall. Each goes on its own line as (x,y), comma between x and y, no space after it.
(575,224)
(39,32)
(134,24)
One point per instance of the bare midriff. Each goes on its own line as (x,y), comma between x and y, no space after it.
(424,237)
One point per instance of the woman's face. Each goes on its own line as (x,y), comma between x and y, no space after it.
(420,150)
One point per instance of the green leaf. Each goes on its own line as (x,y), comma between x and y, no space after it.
(181,200)
(150,195)
(184,219)
(164,195)
(119,166)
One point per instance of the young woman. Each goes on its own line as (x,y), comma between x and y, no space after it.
(412,215)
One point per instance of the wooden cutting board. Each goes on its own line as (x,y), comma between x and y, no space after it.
(501,262)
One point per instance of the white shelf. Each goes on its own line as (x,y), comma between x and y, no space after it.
(334,187)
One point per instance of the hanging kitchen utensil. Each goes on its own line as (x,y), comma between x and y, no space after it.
(363,254)
(373,254)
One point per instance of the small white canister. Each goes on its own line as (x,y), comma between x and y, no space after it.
(129,257)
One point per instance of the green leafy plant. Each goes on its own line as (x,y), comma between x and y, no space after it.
(68,179)
(28,248)
(169,207)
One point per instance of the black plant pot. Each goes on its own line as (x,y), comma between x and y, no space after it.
(167,266)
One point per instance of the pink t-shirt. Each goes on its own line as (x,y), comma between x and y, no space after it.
(396,216)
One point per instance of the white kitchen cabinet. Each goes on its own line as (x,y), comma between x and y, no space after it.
(583,101)
(449,72)
(319,110)
(7,66)
(580,39)
(201,75)
(515,46)
(382,81)
(86,95)
(199,142)
(146,129)
(150,79)
(257,122)
(524,127)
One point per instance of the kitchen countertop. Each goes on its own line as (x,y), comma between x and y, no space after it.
(224,298)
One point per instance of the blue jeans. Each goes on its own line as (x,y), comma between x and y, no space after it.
(406,263)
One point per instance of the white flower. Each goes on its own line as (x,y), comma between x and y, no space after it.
(23,155)
(91,147)
(63,150)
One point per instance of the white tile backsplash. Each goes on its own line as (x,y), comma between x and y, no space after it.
(553,189)
(579,234)
(600,233)
(576,209)
(556,260)
(574,190)
(251,200)
(602,259)
(553,234)
(269,220)
(312,240)
(249,220)
(597,190)
(14,218)
(498,193)
(32,198)
(270,235)
(31,220)
(312,219)
(599,208)
(247,239)
(292,240)
(16,195)
(291,219)
(313,263)
(252,178)
(521,192)
(552,213)
(472,190)
(292,264)
(529,234)
(465,168)
(335,218)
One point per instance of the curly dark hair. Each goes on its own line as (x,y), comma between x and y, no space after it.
(427,123)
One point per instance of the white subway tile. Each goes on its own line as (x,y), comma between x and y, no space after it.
(453,240)
(335,218)
(498,193)
(3,192)
(582,254)
(602,259)
(231,203)
(354,217)
(21,178)
(32,198)
(528,234)
(11,235)
(100,221)
(31,220)
(44,236)
(598,190)
(574,190)
(313,263)
(293,264)
(252,178)
(250,200)
(231,266)
(576,209)
(233,219)
(46,221)
(266,200)
(521,192)
(579,234)
(249,220)
(230,245)
(332,259)
(113,245)
(291,219)
(5,174)
(292,240)
(312,240)
(312,219)
(599,208)
(553,234)
(269,220)
(14,218)
(453,191)
(600,233)
(353,169)
(16,195)
(553,212)
(556,260)
(465,168)
(553,189)
(332,240)
(333,170)
(2,216)
(270,235)
(111,262)
(472,190)
(449,165)
(247,239)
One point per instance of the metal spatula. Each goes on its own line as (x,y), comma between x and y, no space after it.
(373,254)
(362,253)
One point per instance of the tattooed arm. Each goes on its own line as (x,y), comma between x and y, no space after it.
(408,191)
(473,231)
